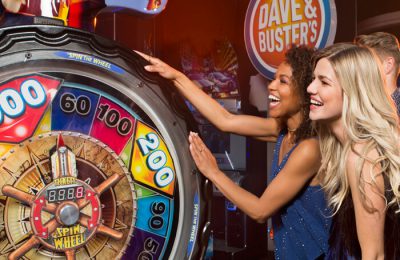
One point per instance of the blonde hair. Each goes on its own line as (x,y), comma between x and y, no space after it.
(369,118)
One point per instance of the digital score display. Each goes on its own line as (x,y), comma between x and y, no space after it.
(65,193)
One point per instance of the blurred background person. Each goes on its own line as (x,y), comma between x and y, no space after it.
(387,48)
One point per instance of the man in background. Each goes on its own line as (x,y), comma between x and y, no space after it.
(387,48)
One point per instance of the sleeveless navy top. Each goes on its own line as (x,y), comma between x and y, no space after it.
(301,228)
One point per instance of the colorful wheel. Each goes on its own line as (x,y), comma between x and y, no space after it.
(94,162)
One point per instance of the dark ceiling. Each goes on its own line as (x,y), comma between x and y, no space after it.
(384,16)
(370,8)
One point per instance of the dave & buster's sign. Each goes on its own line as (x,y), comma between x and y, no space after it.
(272,26)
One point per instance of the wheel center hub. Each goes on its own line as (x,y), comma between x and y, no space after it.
(68,214)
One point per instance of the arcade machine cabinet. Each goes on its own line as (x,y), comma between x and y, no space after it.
(235,235)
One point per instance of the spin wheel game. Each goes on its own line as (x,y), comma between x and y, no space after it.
(94,160)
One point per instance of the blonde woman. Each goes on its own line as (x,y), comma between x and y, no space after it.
(359,138)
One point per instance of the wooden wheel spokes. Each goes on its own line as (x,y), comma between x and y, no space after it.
(105,185)
(82,203)
(101,229)
(102,187)
(70,254)
(33,241)
(107,231)
(90,222)
(17,194)
(28,245)
(26,198)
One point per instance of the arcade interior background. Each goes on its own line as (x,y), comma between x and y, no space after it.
(209,34)
(205,40)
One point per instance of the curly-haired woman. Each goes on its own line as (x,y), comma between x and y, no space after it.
(294,198)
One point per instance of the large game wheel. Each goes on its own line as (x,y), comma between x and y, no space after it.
(94,160)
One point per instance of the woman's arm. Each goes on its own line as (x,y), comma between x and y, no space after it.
(211,109)
(298,171)
(370,209)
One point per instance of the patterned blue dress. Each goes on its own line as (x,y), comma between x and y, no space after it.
(301,228)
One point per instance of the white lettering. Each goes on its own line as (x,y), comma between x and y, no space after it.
(286,29)
(284,10)
(279,40)
(270,41)
(263,19)
(313,31)
(295,6)
(261,40)
(295,34)
(274,15)
(303,33)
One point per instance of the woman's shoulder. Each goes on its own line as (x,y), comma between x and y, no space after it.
(361,150)
(307,150)
(362,153)
(309,144)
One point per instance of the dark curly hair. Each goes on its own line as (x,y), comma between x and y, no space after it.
(299,58)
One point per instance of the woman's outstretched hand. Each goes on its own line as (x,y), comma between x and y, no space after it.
(202,156)
(162,68)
